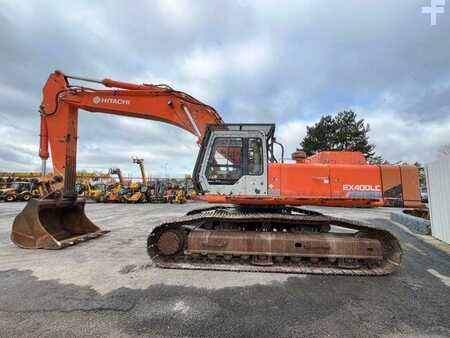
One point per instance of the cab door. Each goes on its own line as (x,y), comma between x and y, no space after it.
(255,172)
(235,163)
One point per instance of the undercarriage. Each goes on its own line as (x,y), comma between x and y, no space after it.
(286,239)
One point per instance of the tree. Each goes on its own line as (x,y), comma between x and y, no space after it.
(377,159)
(339,133)
(421,171)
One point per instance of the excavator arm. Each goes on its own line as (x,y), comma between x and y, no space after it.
(58,220)
(61,101)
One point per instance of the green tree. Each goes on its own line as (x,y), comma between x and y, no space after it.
(421,170)
(339,133)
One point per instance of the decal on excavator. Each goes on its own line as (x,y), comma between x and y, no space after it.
(112,100)
(362,191)
(361,187)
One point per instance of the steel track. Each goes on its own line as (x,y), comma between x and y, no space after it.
(391,248)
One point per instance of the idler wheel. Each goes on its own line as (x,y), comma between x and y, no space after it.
(170,242)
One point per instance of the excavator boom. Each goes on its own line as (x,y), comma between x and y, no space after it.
(58,220)
(61,101)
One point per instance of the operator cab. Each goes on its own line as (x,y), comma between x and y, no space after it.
(233,159)
(20,187)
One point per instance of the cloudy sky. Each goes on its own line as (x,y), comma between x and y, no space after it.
(286,62)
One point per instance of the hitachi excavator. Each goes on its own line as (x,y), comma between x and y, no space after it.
(264,230)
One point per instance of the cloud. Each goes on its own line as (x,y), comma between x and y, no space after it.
(290,134)
(399,139)
(254,61)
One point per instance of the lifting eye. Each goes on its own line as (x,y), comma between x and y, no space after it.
(298,245)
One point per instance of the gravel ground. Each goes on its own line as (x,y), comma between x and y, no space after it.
(108,287)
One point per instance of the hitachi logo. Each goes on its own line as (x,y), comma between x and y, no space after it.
(111,100)
(361,187)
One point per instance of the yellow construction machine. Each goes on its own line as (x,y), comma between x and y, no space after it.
(95,192)
(132,194)
(113,192)
(122,191)
(20,191)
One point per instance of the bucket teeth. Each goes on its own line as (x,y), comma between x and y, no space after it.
(53,224)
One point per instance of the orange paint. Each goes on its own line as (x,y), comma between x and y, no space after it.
(327,178)
(350,185)
(160,103)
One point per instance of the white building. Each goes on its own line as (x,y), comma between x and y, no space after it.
(438,182)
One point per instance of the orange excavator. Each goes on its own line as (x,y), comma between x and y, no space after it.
(264,230)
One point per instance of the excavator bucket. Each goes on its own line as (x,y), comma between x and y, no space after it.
(53,224)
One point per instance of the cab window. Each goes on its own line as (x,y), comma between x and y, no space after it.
(225,162)
(255,157)
(233,157)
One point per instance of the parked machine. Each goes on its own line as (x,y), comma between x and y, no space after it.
(94,192)
(4,182)
(20,191)
(134,193)
(114,191)
(138,191)
(265,230)
(191,194)
(158,192)
(180,196)
(140,163)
